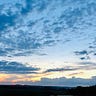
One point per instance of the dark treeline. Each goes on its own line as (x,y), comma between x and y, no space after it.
(82,91)
(20,90)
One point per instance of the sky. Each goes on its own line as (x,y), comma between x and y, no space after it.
(48,42)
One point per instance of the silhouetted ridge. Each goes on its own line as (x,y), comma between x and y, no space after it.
(25,90)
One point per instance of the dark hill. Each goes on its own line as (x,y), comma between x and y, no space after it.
(25,90)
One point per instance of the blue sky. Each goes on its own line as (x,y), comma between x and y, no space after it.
(48,41)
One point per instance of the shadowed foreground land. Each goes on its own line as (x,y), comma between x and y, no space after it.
(20,90)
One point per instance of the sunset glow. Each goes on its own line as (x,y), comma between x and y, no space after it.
(48,42)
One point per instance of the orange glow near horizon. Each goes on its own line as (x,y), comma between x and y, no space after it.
(15,78)
(4,77)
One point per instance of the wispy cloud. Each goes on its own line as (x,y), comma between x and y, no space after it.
(60,69)
(87,63)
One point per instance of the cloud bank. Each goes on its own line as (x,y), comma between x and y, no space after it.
(16,68)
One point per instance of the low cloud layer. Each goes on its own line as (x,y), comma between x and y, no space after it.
(71,82)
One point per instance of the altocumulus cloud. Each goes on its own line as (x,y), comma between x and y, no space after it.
(16,68)
(19,31)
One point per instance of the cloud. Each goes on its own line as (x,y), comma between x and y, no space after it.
(26,25)
(31,4)
(69,82)
(76,73)
(89,53)
(7,20)
(14,38)
(60,69)
(83,52)
(49,42)
(42,5)
(16,68)
(3,53)
(28,7)
(81,66)
(58,29)
(87,63)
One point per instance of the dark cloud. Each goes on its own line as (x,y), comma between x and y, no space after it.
(58,29)
(49,42)
(42,5)
(83,52)
(89,53)
(92,47)
(26,42)
(87,63)
(16,68)
(3,53)
(6,51)
(27,8)
(31,23)
(81,66)
(85,58)
(68,82)
(60,69)
(76,73)
(94,54)
(72,16)
(71,82)
(7,20)
(31,4)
